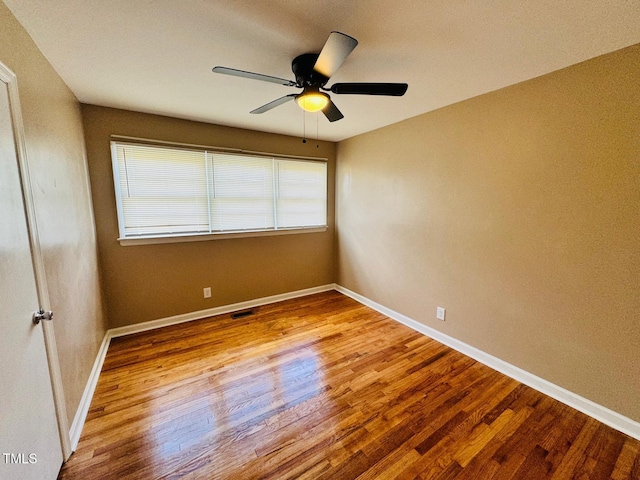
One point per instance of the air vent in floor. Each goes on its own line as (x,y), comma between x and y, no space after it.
(243,313)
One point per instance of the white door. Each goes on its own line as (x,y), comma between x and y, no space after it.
(30,445)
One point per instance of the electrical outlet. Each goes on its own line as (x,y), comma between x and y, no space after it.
(440,311)
(207,292)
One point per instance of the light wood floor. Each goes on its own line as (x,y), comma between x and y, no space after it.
(324,388)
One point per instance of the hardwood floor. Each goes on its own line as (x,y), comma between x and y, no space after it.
(323,387)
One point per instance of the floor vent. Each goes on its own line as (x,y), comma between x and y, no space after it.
(243,313)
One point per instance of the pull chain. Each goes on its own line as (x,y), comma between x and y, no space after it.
(304,127)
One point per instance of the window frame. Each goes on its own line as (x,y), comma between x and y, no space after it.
(146,239)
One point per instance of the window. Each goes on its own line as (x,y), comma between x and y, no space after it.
(176,192)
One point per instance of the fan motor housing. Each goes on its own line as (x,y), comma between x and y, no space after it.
(302,67)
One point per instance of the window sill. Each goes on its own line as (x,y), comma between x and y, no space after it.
(202,237)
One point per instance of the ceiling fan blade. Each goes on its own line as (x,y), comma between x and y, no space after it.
(275,103)
(336,49)
(253,76)
(331,112)
(390,89)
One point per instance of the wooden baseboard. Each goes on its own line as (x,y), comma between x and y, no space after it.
(210,312)
(87,395)
(586,406)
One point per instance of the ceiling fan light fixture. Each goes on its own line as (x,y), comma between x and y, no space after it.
(312,72)
(312,100)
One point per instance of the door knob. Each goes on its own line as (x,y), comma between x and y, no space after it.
(42,315)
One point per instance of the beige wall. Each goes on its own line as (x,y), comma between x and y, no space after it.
(519,212)
(149,282)
(56,155)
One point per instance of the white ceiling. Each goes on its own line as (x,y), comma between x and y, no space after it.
(156,55)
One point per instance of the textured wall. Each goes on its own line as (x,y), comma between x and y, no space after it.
(518,211)
(149,282)
(56,155)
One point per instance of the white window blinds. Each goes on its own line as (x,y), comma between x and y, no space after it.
(242,193)
(299,185)
(168,191)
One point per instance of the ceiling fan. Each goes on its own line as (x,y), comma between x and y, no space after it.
(312,72)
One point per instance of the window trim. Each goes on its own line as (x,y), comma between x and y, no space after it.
(205,236)
(202,237)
